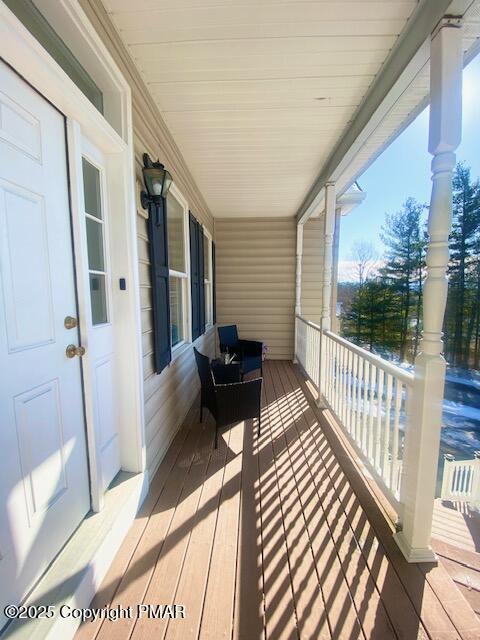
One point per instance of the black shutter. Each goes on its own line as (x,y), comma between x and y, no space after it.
(214,285)
(197,277)
(201,280)
(157,231)
(194,277)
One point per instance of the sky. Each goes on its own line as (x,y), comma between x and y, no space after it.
(403,170)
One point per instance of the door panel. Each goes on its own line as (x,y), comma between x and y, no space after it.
(20,128)
(44,488)
(27,283)
(38,419)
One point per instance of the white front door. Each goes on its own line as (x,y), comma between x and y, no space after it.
(100,312)
(44,487)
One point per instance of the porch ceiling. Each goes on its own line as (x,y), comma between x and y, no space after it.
(256,95)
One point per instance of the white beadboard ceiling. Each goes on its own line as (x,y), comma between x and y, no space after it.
(257,93)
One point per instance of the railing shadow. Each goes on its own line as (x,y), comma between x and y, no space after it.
(364,587)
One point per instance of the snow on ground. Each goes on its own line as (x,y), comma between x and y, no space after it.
(461,411)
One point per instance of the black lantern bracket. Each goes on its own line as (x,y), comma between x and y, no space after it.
(157,182)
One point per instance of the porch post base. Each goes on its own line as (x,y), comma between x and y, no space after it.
(321,402)
(426,554)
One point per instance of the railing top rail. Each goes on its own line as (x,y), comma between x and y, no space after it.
(404,376)
(309,322)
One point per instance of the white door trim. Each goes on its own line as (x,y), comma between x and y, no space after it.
(24,54)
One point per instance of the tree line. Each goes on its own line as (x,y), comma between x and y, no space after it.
(384,308)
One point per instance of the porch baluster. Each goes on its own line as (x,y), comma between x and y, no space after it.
(386,430)
(378,429)
(395,436)
(366,379)
(373,377)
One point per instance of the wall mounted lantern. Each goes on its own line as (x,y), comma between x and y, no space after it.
(157,182)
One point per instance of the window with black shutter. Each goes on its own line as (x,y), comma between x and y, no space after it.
(176,223)
(201,279)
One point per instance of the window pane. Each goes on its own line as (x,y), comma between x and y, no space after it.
(206,261)
(176,310)
(91,189)
(40,29)
(95,245)
(175,217)
(98,299)
(208,304)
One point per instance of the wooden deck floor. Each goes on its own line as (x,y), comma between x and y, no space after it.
(456,540)
(272,538)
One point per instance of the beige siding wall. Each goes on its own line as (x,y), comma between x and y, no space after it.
(168,396)
(256,279)
(312,271)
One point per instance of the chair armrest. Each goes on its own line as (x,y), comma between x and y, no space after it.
(251,347)
(238,401)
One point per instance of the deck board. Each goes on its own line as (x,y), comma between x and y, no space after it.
(280,611)
(272,537)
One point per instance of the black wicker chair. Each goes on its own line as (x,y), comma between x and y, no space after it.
(228,403)
(248,352)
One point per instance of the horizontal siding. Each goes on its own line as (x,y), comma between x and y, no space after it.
(256,280)
(168,396)
(312,269)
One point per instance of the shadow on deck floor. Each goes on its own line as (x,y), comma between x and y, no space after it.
(276,537)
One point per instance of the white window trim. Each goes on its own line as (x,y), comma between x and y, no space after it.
(179,348)
(90,154)
(209,238)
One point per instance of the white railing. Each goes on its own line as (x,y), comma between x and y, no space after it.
(461,480)
(307,347)
(368,396)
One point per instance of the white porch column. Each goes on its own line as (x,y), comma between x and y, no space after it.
(336,247)
(325,320)
(424,419)
(298,282)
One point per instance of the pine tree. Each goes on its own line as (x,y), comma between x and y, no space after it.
(370,319)
(462,304)
(385,312)
(405,241)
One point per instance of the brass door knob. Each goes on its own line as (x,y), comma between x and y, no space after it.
(72,350)
(70,322)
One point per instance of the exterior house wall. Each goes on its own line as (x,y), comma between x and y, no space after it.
(256,280)
(167,396)
(312,269)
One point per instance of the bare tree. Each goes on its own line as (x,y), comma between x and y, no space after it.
(364,257)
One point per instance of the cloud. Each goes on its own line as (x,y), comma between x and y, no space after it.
(348,271)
